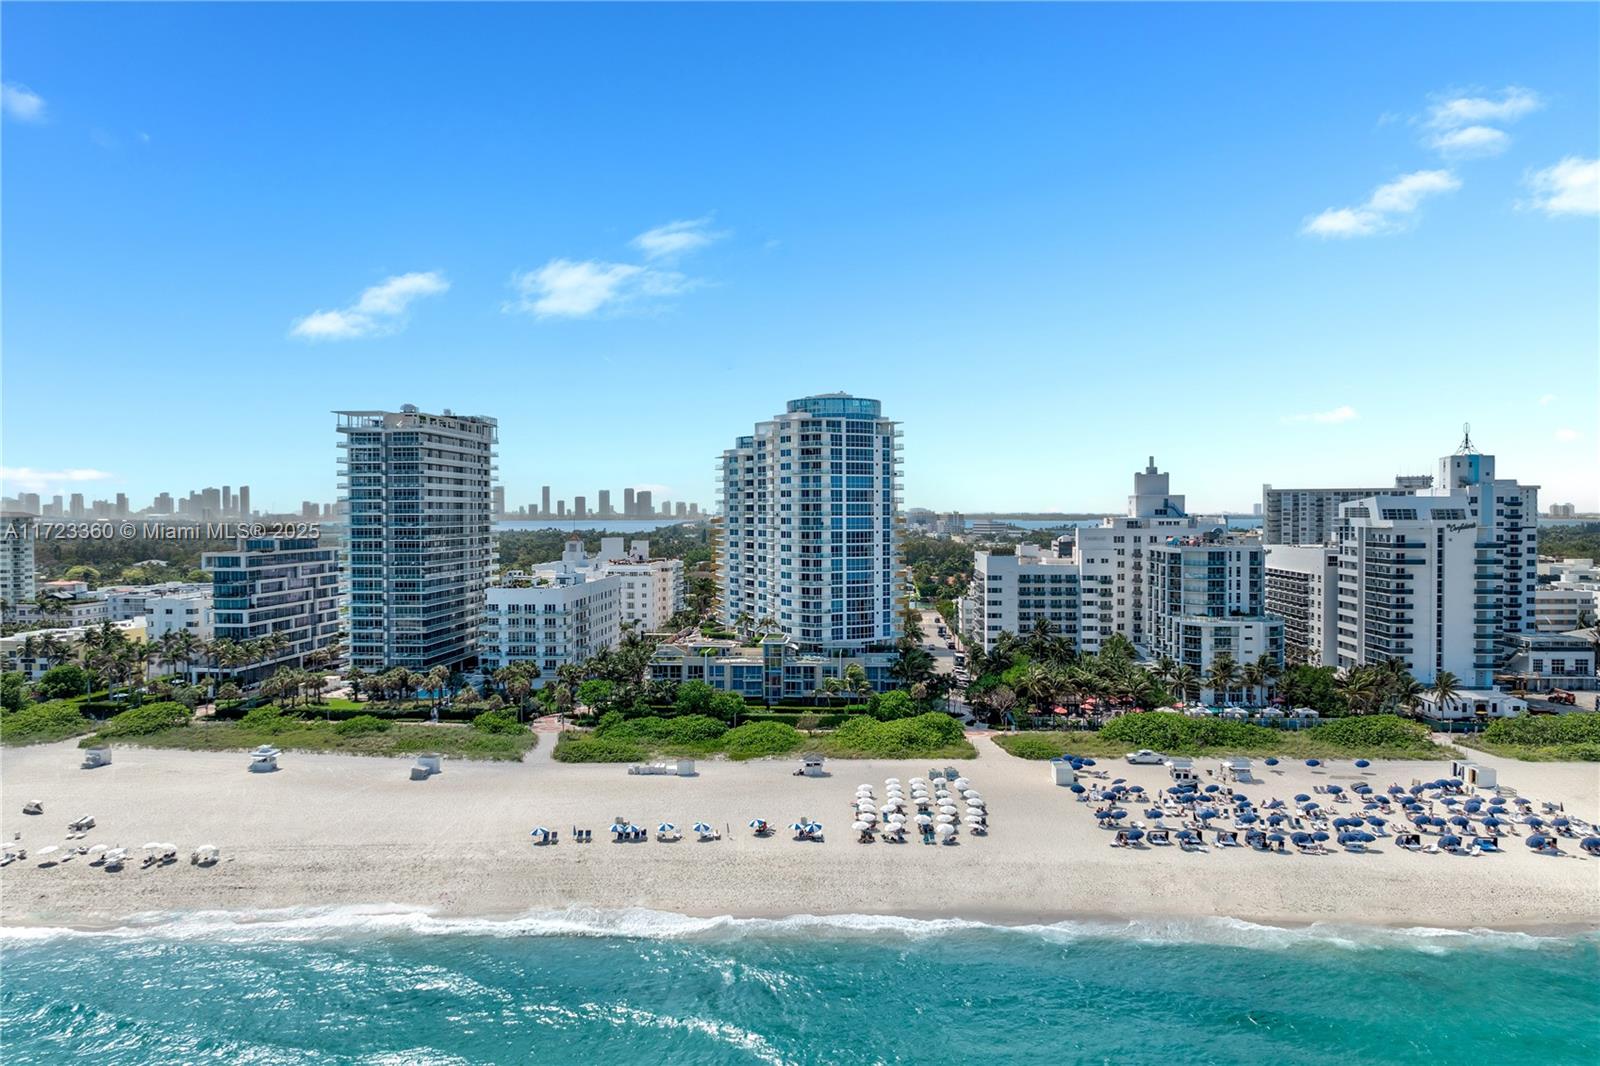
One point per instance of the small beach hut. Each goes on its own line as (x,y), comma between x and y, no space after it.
(810,766)
(1061,771)
(264,760)
(94,758)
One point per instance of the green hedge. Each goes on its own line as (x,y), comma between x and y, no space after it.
(1033,745)
(1576,728)
(927,735)
(753,740)
(824,719)
(1168,732)
(361,725)
(1371,733)
(142,721)
(587,747)
(41,723)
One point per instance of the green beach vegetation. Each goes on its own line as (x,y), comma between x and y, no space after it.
(619,739)
(1376,737)
(42,723)
(492,735)
(1545,738)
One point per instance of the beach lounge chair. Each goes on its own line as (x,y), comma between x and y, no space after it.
(33,807)
(1227,838)
(1159,837)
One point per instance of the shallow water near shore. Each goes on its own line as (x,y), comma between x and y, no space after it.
(399,985)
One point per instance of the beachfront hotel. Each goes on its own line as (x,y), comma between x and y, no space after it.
(1013,589)
(810,535)
(418,490)
(275,586)
(1441,579)
(551,617)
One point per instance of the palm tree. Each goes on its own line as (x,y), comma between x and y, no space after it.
(855,680)
(1363,689)
(1186,682)
(1224,675)
(1252,677)
(1446,686)
(1270,671)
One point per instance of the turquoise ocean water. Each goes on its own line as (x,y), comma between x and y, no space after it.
(374,986)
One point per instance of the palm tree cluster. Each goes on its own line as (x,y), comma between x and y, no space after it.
(1228,681)
(1388,688)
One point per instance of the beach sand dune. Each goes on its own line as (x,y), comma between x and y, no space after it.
(328,829)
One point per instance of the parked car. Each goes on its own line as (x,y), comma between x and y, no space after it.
(1146,757)
(950,644)
(1563,696)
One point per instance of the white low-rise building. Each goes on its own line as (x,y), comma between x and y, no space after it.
(549,617)
(184,612)
(774,671)
(24,651)
(130,601)
(1545,661)
(1568,596)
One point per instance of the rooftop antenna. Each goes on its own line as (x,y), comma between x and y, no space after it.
(1466,440)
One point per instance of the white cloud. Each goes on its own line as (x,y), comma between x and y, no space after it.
(378,310)
(676,238)
(1568,435)
(1344,413)
(1571,187)
(27,479)
(1471,141)
(567,288)
(21,103)
(1384,210)
(1452,112)
(1547,399)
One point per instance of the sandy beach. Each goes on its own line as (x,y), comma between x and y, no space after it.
(329,829)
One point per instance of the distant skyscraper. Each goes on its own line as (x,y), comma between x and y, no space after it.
(580,507)
(227,500)
(499,500)
(544,501)
(418,490)
(643,507)
(77,505)
(630,506)
(683,509)
(561,508)
(811,538)
(244,501)
(604,503)
(122,505)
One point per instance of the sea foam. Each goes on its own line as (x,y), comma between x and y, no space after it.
(314,923)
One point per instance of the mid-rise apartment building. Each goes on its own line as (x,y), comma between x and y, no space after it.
(1567,596)
(810,534)
(1311,516)
(275,586)
(1206,599)
(418,492)
(187,612)
(1302,582)
(551,618)
(133,601)
(19,582)
(1012,590)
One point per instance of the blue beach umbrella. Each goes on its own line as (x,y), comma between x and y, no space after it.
(1206,814)
(1335,789)
(1276,819)
(619,827)
(1213,788)
(1534,821)
(1395,790)
(1276,838)
(539,831)
(1135,833)
(1076,788)
(1155,812)
(797,826)
(1454,782)
(1319,836)
(1301,797)
(1272,762)
(1589,843)
(1561,823)
(701,827)
(1119,814)
(1088,762)
(1118,780)
(1371,806)
(1188,834)
(1474,806)
(815,827)
(1247,817)
(1313,762)
(1461,820)
(1309,807)
(1490,819)
(756,823)
(1536,841)
(1377,821)
(666,827)
(1362,763)
(1102,815)
(1416,790)
(1135,788)
(1451,841)
(1300,838)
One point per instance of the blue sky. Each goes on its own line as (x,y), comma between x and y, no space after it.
(1287,244)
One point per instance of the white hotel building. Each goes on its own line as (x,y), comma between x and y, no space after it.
(1303,589)
(1012,590)
(810,534)
(551,618)
(1206,600)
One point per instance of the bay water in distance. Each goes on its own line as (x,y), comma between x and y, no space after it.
(377,985)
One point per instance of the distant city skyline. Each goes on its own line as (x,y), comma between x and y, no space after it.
(1354,228)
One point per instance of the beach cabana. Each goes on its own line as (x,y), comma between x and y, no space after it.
(94,758)
(264,760)
(1061,771)
(205,855)
(810,766)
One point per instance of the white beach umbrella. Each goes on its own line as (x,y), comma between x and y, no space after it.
(975,805)
(947,808)
(868,816)
(972,794)
(863,787)
(973,819)
(962,782)
(98,849)
(923,819)
(154,845)
(946,819)
(860,827)
(897,819)
(888,808)
(891,780)
(50,849)
(945,831)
